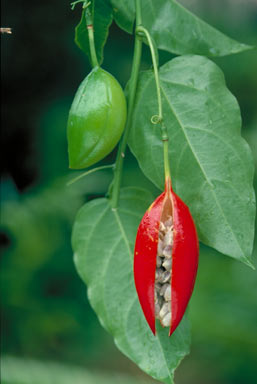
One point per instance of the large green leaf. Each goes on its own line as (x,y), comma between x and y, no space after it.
(102,19)
(103,243)
(175,29)
(211,165)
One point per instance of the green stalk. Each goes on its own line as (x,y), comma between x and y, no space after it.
(90,30)
(131,99)
(89,172)
(166,159)
(158,118)
(91,39)
(141,30)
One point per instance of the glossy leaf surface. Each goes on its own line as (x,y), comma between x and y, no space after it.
(102,19)
(175,29)
(103,243)
(124,14)
(211,165)
(96,119)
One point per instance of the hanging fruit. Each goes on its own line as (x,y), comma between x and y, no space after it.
(96,120)
(166,260)
(98,112)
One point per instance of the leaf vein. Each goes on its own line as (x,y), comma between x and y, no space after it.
(204,174)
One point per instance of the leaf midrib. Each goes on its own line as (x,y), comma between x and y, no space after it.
(203,91)
(204,174)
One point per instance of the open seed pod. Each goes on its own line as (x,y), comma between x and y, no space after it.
(165,260)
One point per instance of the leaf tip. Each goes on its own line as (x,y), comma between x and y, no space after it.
(243,47)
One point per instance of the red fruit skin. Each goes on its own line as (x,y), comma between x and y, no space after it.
(185,255)
(145,259)
(184,258)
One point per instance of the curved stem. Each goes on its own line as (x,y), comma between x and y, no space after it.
(131,99)
(141,29)
(158,119)
(89,172)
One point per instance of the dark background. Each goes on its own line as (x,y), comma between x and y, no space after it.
(45,312)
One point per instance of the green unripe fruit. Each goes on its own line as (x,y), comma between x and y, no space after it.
(96,120)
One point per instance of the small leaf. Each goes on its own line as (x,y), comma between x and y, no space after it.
(103,242)
(124,14)
(175,29)
(211,165)
(102,19)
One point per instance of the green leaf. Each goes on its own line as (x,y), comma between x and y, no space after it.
(102,19)
(124,14)
(175,29)
(211,165)
(103,243)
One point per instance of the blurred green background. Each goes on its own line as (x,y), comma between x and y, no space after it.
(49,332)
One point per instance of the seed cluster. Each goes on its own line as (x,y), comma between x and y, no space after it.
(162,293)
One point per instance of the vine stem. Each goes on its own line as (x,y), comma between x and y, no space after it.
(131,99)
(158,118)
(141,30)
(89,172)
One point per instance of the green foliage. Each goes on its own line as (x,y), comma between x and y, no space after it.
(175,29)
(103,243)
(226,302)
(27,371)
(211,170)
(223,322)
(211,165)
(45,310)
(102,19)
(223,316)
(124,14)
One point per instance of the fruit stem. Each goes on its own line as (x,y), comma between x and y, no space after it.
(77,178)
(94,60)
(166,158)
(141,30)
(157,118)
(131,99)
(90,30)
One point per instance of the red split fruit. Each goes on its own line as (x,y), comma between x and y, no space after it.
(166,260)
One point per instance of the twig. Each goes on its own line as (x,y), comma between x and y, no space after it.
(6,30)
